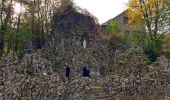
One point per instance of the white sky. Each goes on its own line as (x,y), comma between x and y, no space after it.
(103,9)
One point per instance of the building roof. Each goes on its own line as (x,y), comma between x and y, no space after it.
(124,12)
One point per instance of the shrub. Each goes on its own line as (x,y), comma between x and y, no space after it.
(150,49)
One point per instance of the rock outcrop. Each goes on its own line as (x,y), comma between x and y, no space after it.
(74,40)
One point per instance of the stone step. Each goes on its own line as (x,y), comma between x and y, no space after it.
(104,94)
(104,99)
(97,89)
(100,97)
(97,99)
(98,93)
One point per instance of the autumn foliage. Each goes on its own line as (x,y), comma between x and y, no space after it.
(151,13)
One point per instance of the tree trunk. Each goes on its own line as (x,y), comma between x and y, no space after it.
(17,31)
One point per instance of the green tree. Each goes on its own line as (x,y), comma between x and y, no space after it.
(15,28)
(112,27)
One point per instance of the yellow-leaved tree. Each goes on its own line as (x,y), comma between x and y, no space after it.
(151,13)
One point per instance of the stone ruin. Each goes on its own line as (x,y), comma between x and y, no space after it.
(74,40)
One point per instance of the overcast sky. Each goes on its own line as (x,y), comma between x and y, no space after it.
(103,9)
